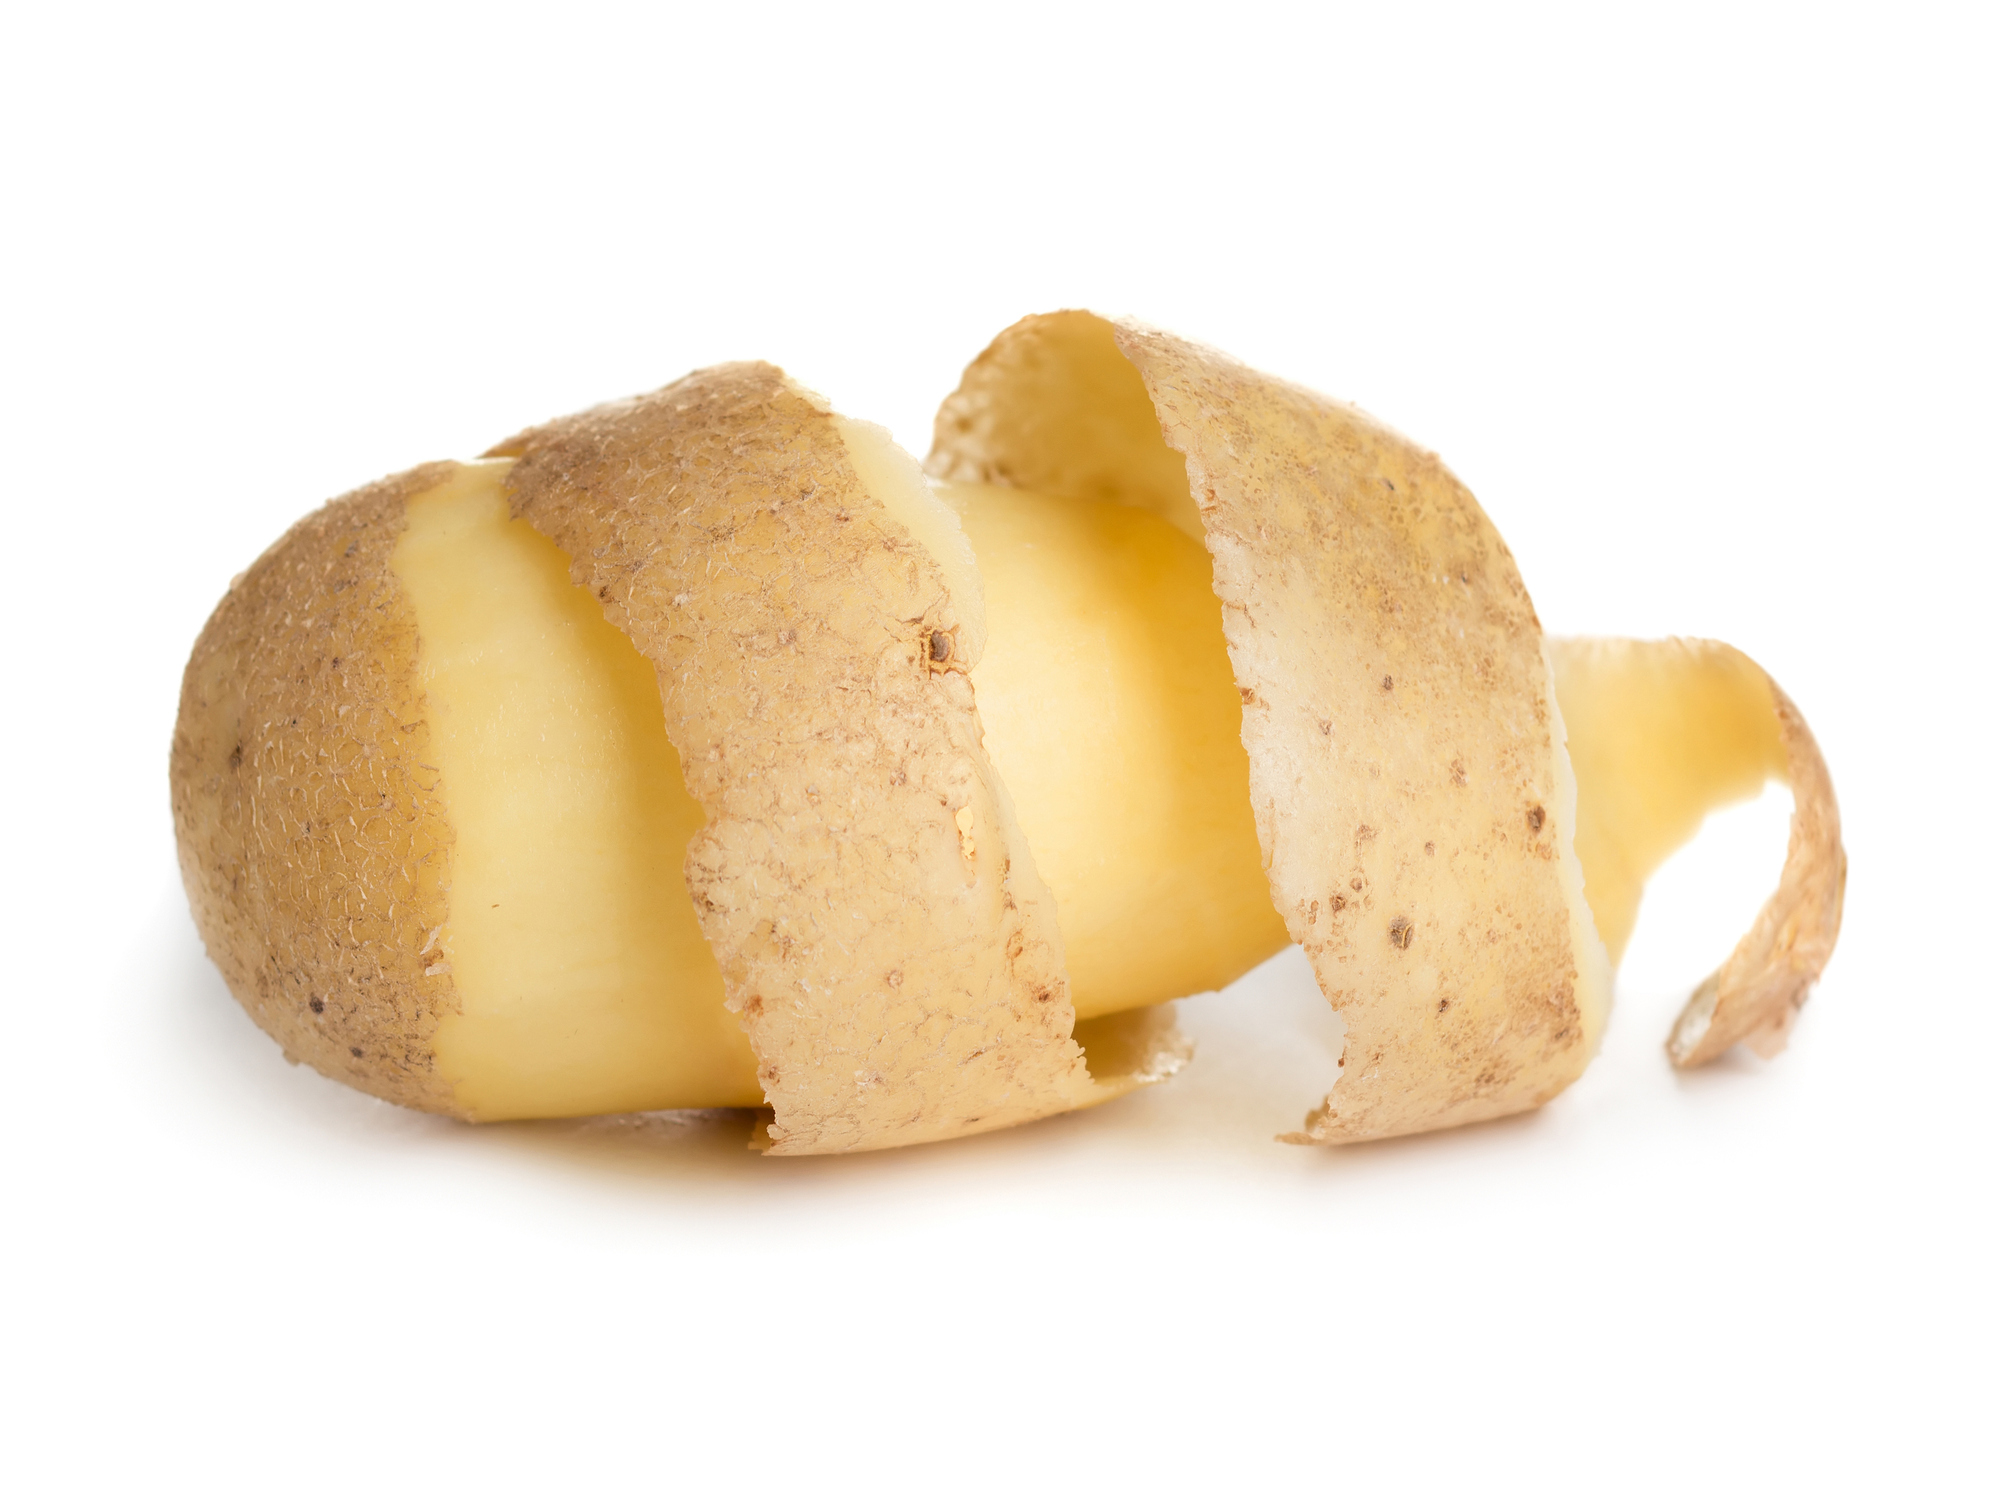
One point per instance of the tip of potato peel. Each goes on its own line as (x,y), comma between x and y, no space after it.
(1694,1022)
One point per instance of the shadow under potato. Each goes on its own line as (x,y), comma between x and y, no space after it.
(1266,1050)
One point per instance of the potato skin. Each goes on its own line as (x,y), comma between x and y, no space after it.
(1402,729)
(1397,704)
(881,928)
(312,841)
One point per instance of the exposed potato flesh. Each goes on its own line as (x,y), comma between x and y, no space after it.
(585,983)
(1107,704)
(1663,732)
(1408,778)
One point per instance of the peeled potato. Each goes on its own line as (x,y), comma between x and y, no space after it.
(1134,797)
(697,750)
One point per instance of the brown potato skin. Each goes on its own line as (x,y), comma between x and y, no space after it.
(312,841)
(1396,699)
(901,980)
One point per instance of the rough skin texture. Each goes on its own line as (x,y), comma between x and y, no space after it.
(311,838)
(1396,709)
(900,980)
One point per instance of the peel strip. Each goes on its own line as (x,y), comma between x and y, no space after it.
(882,932)
(1406,768)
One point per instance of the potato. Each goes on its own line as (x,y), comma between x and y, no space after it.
(696,750)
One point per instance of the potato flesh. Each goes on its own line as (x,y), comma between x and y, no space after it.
(1108,705)
(585,982)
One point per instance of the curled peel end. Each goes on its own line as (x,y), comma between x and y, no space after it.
(1754,997)
(1123,1051)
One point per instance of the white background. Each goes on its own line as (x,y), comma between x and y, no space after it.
(1700,300)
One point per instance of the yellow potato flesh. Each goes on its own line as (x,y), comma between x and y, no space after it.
(1659,737)
(1108,705)
(585,982)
